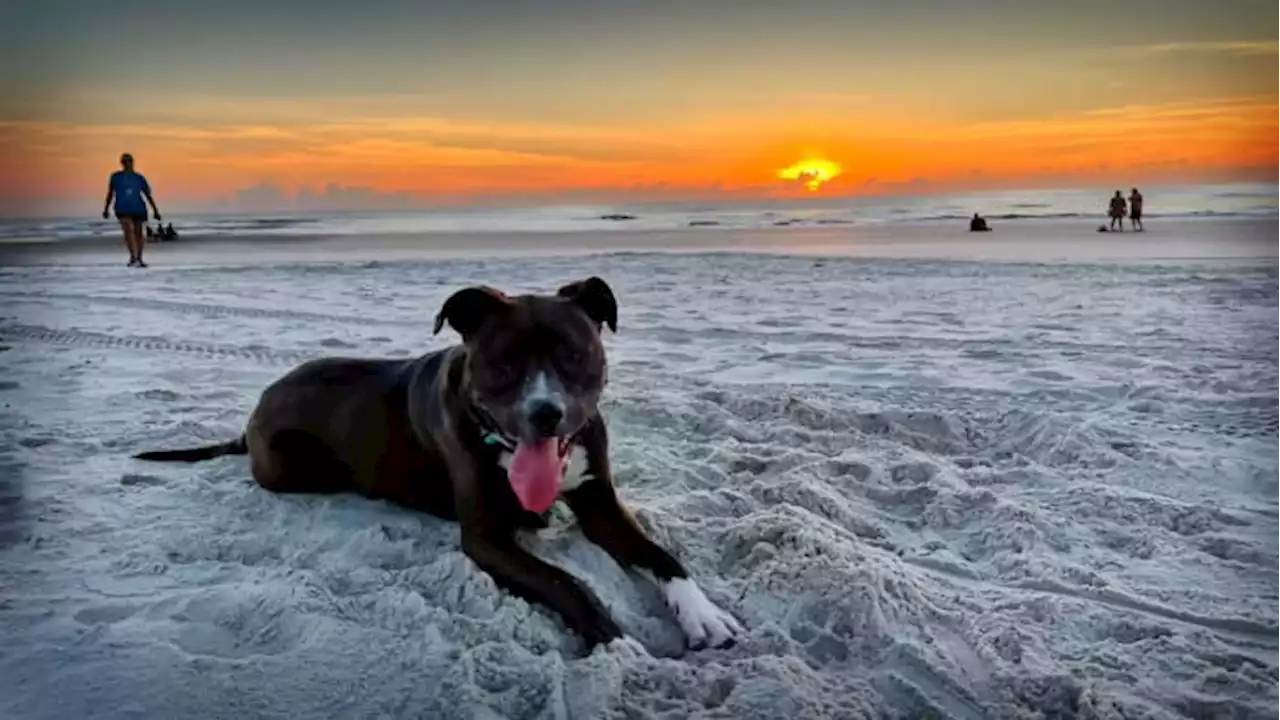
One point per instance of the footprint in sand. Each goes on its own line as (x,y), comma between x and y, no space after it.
(227,624)
(148,480)
(915,473)
(105,614)
(158,394)
(819,645)
(336,343)
(1049,375)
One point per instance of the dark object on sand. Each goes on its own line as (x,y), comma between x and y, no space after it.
(441,434)
(617,217)
(162,233)
(978,224)
(703,223)
(1102,228)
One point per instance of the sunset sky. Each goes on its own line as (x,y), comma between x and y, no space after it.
(389,104)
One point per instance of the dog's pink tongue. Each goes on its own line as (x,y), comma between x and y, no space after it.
(535,473)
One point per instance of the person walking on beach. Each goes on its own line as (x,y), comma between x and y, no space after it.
(1116,211)
(128,188)
(1135,210)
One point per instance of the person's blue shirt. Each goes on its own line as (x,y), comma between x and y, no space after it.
(129,187)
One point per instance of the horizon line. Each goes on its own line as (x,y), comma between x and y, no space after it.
(225,206)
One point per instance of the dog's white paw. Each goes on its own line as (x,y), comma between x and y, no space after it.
(703,622)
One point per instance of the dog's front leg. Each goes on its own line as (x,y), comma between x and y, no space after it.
(607,523)
(491,545)
(523,575)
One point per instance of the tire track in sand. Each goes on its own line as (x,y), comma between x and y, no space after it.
(207,309)
(82,338)
(1261,634)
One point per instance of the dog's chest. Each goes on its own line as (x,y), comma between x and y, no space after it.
(575,467)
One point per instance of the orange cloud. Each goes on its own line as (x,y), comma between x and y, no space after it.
(1228,47)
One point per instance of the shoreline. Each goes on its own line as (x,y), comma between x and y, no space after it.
(1044,241)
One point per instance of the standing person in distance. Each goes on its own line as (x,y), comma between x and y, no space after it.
(1117,210)
(128,187)
(1135,210)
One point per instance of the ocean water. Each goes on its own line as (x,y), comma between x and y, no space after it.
(1240,200)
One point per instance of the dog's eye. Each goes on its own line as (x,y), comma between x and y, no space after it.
(500,376)
(567,356)
(504,374)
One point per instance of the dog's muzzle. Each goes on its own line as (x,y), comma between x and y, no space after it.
(544,417)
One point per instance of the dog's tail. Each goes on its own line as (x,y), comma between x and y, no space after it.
(208,452)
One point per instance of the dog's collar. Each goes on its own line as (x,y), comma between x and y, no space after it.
(489,432)
(491,435)
(497,438)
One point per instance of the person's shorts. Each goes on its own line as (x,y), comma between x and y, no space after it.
(1135,215)
(138,216)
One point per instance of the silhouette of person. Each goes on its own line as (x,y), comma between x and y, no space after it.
(128,188)
(1116,211)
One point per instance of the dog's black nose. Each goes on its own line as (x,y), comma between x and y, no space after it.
(545,416)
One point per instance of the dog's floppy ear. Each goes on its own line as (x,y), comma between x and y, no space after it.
(468,309)
(595,298)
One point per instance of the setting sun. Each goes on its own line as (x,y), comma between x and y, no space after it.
(813,173)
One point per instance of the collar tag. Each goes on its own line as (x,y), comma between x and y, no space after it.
(494,438)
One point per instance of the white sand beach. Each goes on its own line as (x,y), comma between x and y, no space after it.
(1030,474)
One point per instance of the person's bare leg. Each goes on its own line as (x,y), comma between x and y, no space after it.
(133,241)
(139,241)
(126,227)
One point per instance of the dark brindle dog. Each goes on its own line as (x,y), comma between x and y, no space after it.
(490,433)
